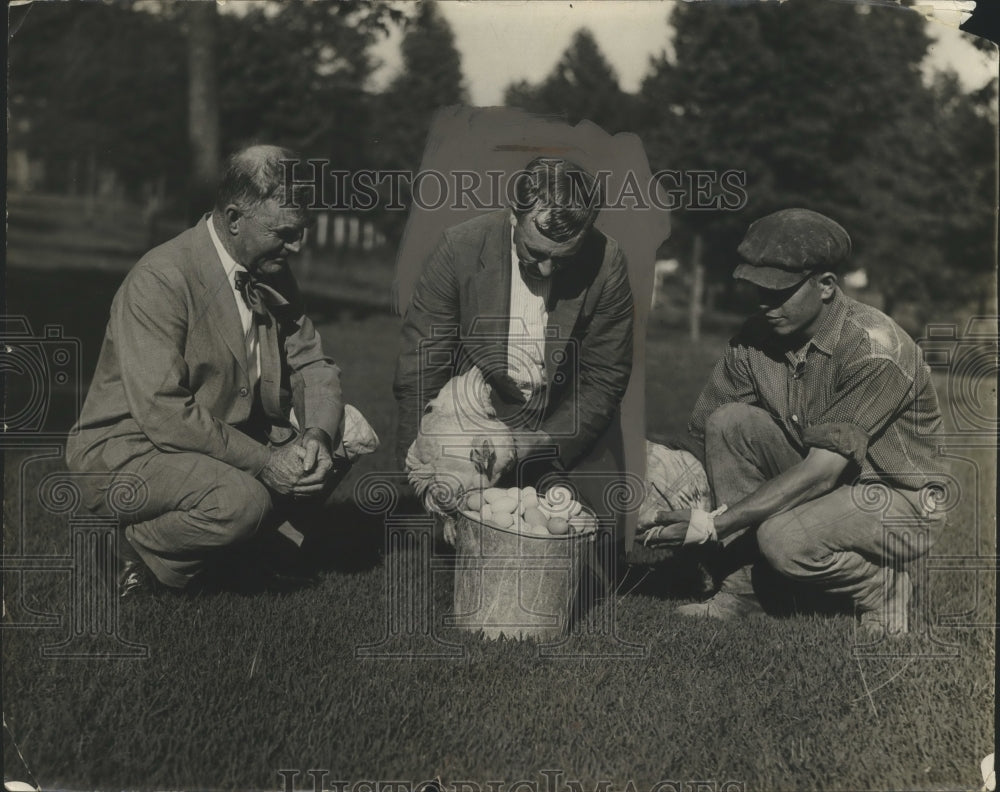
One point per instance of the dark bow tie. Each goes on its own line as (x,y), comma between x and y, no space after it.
(267,302)
(259,297)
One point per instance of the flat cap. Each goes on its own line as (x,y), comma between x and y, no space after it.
(784,248)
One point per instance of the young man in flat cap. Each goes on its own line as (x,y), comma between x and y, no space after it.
(819,404)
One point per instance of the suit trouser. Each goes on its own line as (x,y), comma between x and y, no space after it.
(195,507)
(845,542)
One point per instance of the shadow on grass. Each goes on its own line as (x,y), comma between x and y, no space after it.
(669,574)
(340,539)
(693,573)
(345,539)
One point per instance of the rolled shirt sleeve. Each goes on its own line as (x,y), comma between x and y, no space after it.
(867,397)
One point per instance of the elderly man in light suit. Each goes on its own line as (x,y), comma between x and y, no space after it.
(206,354)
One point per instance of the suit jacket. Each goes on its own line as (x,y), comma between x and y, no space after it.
(460,315)
(173,374)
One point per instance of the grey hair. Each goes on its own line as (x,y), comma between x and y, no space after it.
(255,175)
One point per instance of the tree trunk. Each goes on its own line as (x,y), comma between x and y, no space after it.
(697,289)
(203,107)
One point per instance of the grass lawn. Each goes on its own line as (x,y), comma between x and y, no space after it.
(238,686)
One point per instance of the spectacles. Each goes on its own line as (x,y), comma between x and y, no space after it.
(289,235)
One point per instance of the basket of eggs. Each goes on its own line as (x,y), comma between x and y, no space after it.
(519,557)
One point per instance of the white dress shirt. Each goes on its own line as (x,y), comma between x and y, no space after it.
(528,321)
(246,315)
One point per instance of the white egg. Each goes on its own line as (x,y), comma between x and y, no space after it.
(583,523)
(503,519)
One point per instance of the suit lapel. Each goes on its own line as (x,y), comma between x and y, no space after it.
(569,290)
(491,296)
(219,301)
(491,286)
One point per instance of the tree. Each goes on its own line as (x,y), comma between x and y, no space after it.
(203,107)
(698,114)
(581,86)
(290,73)
(965,162)
(295,74)
(766,89)
(431,78)
(81,102)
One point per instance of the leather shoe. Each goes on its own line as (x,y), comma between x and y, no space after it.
(119,570)
(135,581)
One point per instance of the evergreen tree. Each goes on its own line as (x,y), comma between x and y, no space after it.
(295,74)
(822,105)
(129,88)
(582,85)
(431,78)
(78,101)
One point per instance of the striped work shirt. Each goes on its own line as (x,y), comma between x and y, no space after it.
(860,388)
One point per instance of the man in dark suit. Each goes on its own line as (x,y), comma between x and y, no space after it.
(212,387)
(540,301)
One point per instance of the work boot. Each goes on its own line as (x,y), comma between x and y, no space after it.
(889,615)
(735,599)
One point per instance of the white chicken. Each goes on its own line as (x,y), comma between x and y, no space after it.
(461,446)
(675,479)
